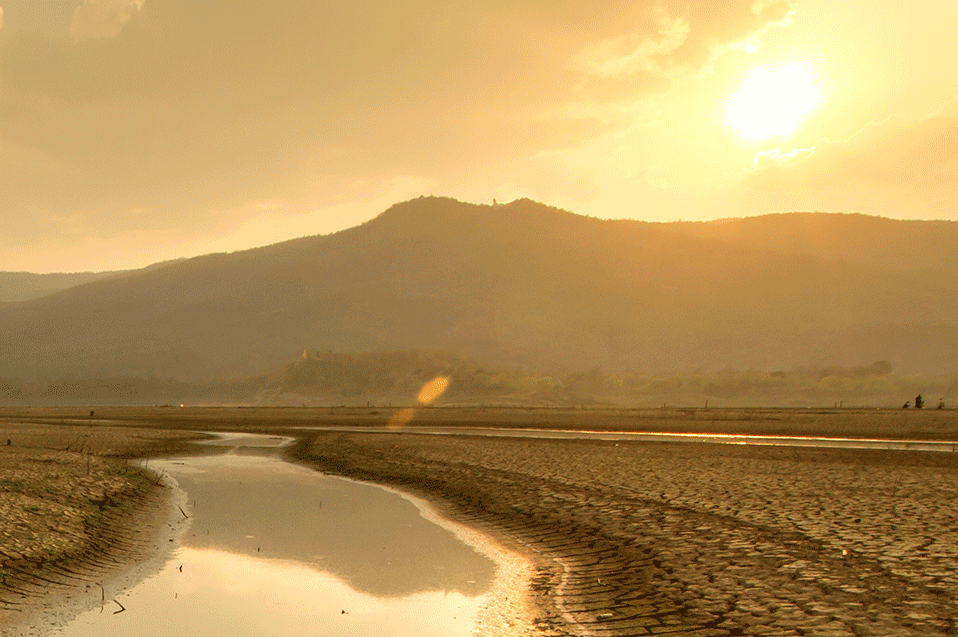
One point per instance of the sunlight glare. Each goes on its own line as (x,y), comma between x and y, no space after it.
(773,102)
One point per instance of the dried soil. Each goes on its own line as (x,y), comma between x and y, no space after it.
(73,514)
(628,538)
(695,539)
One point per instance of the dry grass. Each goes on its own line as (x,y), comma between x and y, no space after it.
(56,479)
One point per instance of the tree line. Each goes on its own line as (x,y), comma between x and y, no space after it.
(125,390)
(395,377)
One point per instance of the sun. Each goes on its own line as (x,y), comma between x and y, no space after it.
(773,102)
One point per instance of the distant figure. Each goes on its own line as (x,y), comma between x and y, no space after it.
(941,404)
(906,405)
(494,202)
(919,402)
(91,413)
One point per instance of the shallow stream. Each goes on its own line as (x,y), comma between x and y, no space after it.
(277,549)
(948,446)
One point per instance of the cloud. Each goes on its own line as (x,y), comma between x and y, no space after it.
(102,18)
(900,150)
(673,37)
(731,24)
(637,52)
(881,169)
(768,13)
(186,107)
(767,159)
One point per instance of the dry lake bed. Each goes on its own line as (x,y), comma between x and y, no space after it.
(555,536)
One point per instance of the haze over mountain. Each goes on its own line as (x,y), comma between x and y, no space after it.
(520,284)
(852,238)
(23,286)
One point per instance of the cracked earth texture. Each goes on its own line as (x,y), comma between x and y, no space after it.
(695,539)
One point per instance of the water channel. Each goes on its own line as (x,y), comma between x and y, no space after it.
(947,446)
(277,549)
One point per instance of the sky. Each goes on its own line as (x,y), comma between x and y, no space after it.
(136,131)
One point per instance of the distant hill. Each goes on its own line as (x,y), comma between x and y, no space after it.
(852,238)
(23,286)
(519,284)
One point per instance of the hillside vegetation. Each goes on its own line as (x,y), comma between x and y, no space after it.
(23,286)
(395,378)
(518,285)
(334,378)
(876,242)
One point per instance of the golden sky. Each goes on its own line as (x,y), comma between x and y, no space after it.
(133,131)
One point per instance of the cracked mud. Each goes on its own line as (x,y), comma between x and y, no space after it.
(692,539)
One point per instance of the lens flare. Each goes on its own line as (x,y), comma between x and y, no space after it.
(401,418)
(433,390)
(429,392)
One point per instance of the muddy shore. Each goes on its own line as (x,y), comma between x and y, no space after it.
(695,539)
(75,516)
(628,538)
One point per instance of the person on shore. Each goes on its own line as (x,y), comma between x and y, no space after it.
(919,402)
(906,405)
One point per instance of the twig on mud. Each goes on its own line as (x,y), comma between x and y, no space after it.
(121,608)
(183,512)
(153,476)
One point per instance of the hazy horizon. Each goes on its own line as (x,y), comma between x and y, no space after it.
(138,131)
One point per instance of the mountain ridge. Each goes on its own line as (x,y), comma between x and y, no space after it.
(843,236)
(520,283)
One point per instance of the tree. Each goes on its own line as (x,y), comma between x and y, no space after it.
(880,368)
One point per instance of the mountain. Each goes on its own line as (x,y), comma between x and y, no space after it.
(23,286)
(517,284)
(852,238)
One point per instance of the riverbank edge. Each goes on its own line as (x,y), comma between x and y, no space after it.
(545,583)
(527,602)
(128,543)
(133,540)
(506,612)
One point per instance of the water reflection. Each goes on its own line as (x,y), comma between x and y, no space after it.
(948,446)
(366,536)
(219,593)
(282,550)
